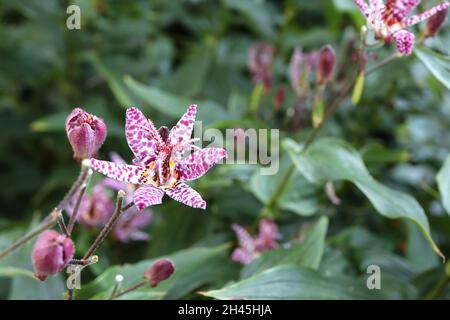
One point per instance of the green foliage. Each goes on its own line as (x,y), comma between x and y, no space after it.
(391,141)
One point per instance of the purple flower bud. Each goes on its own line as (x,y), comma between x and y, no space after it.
(86,133)
(435,23)
(260,58)
(327,61)
(267,236)
(159,271)
(51,252)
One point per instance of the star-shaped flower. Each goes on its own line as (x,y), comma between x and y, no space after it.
(391,20)
(159,166)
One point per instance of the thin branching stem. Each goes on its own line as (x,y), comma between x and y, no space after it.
(48,223)
(108,227)
(132,288)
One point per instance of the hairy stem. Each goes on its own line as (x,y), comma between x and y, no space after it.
(132,288)
(48,223)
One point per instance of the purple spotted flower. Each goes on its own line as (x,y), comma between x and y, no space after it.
(130,223)
(159,166)
(251,247)
(390,20)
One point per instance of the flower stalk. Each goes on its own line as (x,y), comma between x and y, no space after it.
(108,227)
(54,217)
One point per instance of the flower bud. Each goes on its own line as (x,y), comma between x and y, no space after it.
(327,61)
(435,23)
(159,271)
(51,253)
(86,133)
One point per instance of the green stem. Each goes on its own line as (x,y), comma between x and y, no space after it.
(132,288)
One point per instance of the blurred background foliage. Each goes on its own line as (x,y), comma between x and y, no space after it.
(163,55)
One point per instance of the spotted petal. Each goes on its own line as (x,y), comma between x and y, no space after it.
(185,194)
(199,162)
(142,136)
(182,131)
(147,196)
(427,14)
(364,8)
(405,41)
(122,172)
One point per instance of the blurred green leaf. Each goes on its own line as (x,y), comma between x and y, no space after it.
(330,159)
(299,196)
(306,253)
(438,64)
(291,282)
(172,105)
(193,269)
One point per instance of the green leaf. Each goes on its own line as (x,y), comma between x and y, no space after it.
(332,159)
(171,105)
(258,14)
(438,64)
(190,78)
(291,282)
(358,89)
(297,196)
(193,268)
(307,253)
(377,153)
(443,182)
(53,122)
(118,88)
(16,272)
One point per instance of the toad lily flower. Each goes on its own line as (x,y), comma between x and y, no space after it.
(159,166)
(391,20)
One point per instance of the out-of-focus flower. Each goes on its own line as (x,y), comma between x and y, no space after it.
(251,247)
(95,208)
(51,253)
(435,23)
(86,133)
(391,20)
(295,70)
(159,164)
(325,68)
(159,271)
(260,58)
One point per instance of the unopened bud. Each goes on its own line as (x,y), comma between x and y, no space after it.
(435,23)
(86,133)
(327,61)
(51,253)
(159,271)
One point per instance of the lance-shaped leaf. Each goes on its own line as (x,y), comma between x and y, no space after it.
(307,253)
(291,282)
(438,64)
(332,159)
